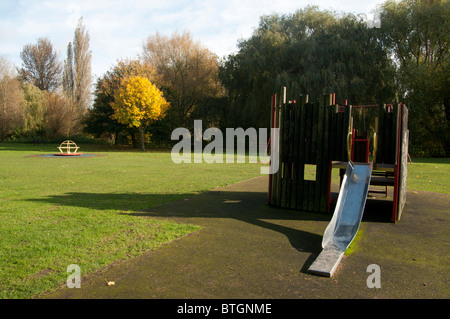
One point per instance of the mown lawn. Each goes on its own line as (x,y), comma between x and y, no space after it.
(55,212)
(429,174)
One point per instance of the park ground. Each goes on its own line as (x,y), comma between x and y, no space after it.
(247,249)
(239,247)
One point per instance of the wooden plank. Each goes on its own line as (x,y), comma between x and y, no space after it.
(308,124)
(332,131)
(396,128)
(275,175)
(388,139)
(282,147)
(345,131)
(286,199)
(295,157)
(301,157)
(272,125)
(385,140)
(319,154)
(308,132)
(314,132)
(382,134)
(286,147)
(375,143)
(277,192)
(282,152)
(312,156)
(397,131)
(326,160)
(338,139)
(381,181)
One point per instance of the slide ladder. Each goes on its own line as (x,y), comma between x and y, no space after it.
(346,219)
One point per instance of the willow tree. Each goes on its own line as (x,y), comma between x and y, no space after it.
(311,52)
(137,103)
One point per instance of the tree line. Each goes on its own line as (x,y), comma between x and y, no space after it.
(46,98)
(404,57)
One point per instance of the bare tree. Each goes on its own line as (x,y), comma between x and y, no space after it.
(77,78)
(11,100)
(40,65)
(189,69)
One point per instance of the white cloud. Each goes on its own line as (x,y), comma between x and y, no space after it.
(118,27)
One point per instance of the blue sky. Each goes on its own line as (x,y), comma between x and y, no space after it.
(118,28)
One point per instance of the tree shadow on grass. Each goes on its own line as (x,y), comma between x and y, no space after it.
(111,201)
(248,207)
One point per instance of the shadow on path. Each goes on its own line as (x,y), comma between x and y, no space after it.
(235,203)
(248,249)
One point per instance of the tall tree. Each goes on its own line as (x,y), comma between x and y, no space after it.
(68,78)
(77,77)
(137,103)
(40,65)
(417,34)
(189,70)
(99,119)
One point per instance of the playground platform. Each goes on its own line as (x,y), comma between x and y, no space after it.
(248,249)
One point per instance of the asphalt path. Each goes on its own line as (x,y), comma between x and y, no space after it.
(247,249)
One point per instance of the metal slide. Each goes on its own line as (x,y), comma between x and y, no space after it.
(346,218)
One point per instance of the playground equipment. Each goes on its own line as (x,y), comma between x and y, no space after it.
(346,219)
(325,136)
(70,149)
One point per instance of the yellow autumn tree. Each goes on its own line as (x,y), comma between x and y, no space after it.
(137,103)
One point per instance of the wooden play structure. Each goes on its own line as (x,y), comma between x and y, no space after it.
(324,136)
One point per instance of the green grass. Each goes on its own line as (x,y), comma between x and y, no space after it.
(429,174)
(60,211)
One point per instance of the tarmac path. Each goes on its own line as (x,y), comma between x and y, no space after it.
(248,249)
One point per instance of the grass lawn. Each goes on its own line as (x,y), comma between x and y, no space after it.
(60,211)
(429,174)
(55,212)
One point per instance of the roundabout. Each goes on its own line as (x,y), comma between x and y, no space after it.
(68,146)
(67,149)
